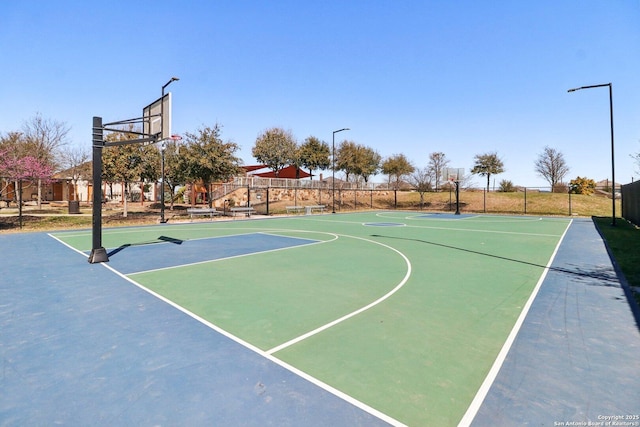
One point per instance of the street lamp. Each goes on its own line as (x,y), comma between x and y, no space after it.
(613,163)
(333,167)
(162,147)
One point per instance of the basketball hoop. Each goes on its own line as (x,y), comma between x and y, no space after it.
(452,175)
(175,138)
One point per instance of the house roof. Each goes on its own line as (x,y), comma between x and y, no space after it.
(83,169)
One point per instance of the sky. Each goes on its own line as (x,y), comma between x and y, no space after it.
(408,77)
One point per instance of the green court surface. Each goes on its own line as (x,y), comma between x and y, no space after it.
(403,312)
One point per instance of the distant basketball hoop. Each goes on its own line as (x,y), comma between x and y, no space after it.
(453,176)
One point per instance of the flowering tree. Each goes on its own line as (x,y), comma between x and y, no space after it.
(27,168)
(33,169)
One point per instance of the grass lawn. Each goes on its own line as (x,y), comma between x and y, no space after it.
(624,242)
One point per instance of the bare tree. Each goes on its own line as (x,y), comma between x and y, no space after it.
(437,163)
(551,166)
(44,138)
(421,180)
(75,160)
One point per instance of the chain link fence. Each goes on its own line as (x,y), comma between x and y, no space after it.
(274,196)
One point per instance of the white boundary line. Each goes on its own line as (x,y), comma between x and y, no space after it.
(471,230)
(480,218)
(68,245)
(361,405)
(476,403)
(354,313)
(497,364)
(311,243)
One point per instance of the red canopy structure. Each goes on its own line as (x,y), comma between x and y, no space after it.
(287,172)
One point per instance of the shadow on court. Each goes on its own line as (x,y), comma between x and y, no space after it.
(605,275)
(575,357)
(592,274)
(161,239)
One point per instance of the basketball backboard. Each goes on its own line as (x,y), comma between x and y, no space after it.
(153,121)
(452,174)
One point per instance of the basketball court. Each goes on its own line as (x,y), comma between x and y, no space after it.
(375,318)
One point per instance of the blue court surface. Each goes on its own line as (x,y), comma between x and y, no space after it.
(83,345)
(177,252)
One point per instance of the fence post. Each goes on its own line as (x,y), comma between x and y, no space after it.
(525,200)
(484,194)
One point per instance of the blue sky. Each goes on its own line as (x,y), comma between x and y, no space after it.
(410,77)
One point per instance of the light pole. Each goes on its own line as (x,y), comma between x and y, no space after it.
(162,147)
(613,163)
(333,168)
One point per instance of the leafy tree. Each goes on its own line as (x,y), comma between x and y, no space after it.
(421,179)
(315,154)
(122,163)
(150,166)
(437,163)
(346,158)
(210,159)
(175,167)
(551,166)
(275,148)
(582,186)
(396,168)
(367,162)
(486,165)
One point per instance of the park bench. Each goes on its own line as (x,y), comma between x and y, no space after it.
(203,211)
(310,209)
(242,209)
(295,209)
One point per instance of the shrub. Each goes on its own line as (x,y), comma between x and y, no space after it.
(582,186)
(507,186)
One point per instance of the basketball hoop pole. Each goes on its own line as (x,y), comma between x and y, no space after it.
(98,253)
(457,196)
(162,147)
